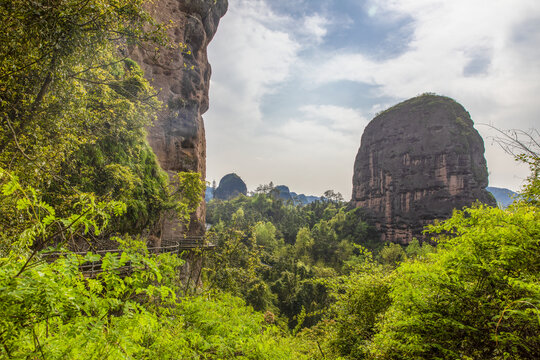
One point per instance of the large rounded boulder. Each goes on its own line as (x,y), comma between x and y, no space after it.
(230,186)
(417,162)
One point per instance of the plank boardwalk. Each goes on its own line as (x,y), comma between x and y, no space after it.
(92,268)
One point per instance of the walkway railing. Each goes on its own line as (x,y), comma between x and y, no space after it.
(92,268)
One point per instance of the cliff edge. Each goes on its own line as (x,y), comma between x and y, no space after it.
(181,74)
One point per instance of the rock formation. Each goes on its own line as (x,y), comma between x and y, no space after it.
(181,74)
(230,186)
(417,162)
(283,192)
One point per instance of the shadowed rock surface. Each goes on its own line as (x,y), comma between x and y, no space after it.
(417,162)
(182,77)
(230,186)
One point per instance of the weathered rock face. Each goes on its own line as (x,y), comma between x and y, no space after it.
(230,186)
(417,162)
(182,77)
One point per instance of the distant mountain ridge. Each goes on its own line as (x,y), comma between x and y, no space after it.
(297,199)
(282,191)
(504,196)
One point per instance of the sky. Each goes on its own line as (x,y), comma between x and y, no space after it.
(294,82)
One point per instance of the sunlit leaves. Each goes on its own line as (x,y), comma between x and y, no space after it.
(71,100)
(477,296)
(39,224)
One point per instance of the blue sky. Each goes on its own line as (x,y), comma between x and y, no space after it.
(295,82)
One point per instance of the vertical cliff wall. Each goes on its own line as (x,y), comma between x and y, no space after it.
(182,76)
(417,162)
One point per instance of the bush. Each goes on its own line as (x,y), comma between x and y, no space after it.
(477,297)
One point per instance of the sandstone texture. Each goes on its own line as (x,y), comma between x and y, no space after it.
(181,74)
(230,186)
(417,162)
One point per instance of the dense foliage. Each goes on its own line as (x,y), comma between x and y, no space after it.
(481,288)
(75,168)
(73,107)
(52,310)
(277,255)
(476,295)
(284,281)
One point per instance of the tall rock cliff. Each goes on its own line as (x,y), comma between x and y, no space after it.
(182,77)
(417,162)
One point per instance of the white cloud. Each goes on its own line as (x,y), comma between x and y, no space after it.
(336,118)
(250,34)
(322,127)
(483,54)
(448,37)
(315,151)
(372,11)
(254,51)
(447,34)
(315,27)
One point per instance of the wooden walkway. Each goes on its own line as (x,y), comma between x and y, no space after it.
(92,268)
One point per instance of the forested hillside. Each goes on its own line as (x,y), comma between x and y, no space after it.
(284,281)
(277,255)
(74,110)
(475,294)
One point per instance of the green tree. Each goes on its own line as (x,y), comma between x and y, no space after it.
(361,300)
(476,297)
(73,107)
(303,245)
(392,254)
(331,195)
(62,74)
(265,235)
